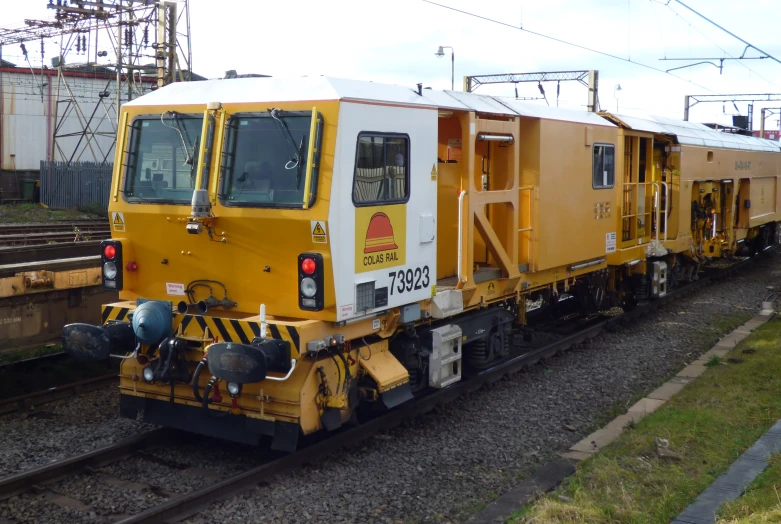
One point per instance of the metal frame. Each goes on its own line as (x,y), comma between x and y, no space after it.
(471,83)
(743,97)
(125,25)
(766,112)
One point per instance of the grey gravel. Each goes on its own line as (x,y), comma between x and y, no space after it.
(441,467)
(63,429)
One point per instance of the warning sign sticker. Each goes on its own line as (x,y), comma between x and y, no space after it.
(319,233)
(118,221)
(610,243)
(346,311)
(174,288)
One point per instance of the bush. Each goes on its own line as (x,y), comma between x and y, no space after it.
(94,208)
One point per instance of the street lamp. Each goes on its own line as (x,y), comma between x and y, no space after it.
(615,94)
(440,53)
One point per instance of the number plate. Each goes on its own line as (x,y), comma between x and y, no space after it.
(412,279)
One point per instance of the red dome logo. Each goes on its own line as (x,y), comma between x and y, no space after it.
(379,234)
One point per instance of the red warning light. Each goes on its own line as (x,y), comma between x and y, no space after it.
(110,251)
(131,266)
(308,266)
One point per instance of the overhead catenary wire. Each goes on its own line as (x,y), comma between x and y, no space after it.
(559,40)
(729,32)
(692,26)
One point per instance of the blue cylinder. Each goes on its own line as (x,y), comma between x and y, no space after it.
(152,321)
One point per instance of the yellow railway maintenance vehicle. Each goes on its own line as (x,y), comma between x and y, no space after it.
(688,193)
(291,252)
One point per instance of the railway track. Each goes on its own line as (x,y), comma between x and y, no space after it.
(32,401)
(28,239)
(39,477)
(45,233)
(54,227)
(179,507)
(49,252)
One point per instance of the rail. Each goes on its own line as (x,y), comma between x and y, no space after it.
(27,480)
(190,504)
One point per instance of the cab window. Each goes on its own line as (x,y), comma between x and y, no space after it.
(264,159)
(604,170)
(381,169)
(161,158)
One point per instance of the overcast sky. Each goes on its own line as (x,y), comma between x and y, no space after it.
(395,43)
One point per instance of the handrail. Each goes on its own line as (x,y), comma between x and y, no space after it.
(119,164)
(290,372)
(460,237)
(310,155)
(201,151)
(657,203)
(666,208)
(214,182)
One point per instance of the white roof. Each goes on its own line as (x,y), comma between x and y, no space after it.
(693,134)
(247,90)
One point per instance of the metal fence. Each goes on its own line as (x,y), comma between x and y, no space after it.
(75,185)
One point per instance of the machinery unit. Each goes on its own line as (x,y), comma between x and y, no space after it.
(445,359)
(659,279)
(293,254)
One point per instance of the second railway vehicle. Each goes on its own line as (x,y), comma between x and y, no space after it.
(289,253)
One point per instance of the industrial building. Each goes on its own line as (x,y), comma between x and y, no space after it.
(47,116)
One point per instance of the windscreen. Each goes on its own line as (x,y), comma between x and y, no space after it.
(264,159)
(162,158)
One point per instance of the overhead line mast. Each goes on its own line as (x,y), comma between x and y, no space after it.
(146,37)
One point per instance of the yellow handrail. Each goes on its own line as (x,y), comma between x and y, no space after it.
(120,161)
(201,151)
(217,164)
(310,159)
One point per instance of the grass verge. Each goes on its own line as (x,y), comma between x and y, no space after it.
(23,354)
(708,425)
(28,212)
(762,500)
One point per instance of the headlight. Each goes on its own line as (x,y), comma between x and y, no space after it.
(110,270)
(234,389)
(149,374)
(308,287)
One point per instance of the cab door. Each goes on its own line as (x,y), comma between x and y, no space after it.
(385,253)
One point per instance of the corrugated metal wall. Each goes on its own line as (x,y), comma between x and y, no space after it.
(31,114)
(73,186)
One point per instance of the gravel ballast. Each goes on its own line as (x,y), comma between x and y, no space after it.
(63,429)
(441,467)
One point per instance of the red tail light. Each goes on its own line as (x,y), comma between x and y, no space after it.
(109,251)
(308,266)
(310,282)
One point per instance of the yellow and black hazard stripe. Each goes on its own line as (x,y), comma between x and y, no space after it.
(231,330)
(114,313)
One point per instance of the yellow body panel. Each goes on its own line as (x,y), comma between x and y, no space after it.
(383,367)
(257,261)
(529,220)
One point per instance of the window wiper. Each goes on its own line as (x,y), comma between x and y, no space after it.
(287,136)
(300,164)
(193,174)
(179,129)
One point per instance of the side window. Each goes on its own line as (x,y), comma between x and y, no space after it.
(381,169)
(604,166)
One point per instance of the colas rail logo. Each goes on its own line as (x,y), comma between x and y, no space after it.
(380,238)
(380,245)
